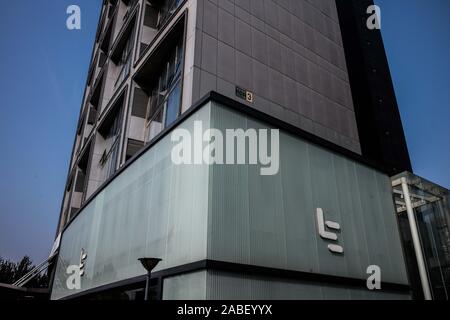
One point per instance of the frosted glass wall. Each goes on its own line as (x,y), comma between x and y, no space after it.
(270,220)
(153,209)
(219,285)
(228,286)
(191,286)
(232,213)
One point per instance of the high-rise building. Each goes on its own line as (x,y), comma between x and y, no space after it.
(311,229)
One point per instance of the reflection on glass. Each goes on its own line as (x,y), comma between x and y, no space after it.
(173,105)
(155,126)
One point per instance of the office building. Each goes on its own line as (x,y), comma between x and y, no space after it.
(312,70)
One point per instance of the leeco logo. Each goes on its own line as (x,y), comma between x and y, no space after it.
(321,224)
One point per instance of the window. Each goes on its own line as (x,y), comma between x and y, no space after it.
(167,10)
(92,115)
(151,16)
(125,61)
(108,160)
(140,101)
(80,182)
(164,103)
(133,147)
(101,59)
(156,16)
(109,141)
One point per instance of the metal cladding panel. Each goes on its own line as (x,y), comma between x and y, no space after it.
(152,209)
(219,285)
(289,54)
(228,286)
(270,221)
(191,286)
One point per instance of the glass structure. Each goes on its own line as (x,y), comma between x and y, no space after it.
(431,209)
(191,213)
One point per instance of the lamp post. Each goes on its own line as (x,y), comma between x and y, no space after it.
(149,264)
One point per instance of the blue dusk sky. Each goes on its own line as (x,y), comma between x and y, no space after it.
(43,69)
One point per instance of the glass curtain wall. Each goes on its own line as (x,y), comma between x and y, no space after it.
(432,214)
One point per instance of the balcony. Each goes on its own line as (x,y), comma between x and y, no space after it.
(160,83)
(157,15)
(122,51)
(108,141)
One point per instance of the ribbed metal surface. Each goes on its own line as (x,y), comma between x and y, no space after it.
(270,220)
(218,285)
(153,209)
(231,213)
(227,286)
(191,286)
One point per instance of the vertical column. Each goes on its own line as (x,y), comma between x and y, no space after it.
(416,241)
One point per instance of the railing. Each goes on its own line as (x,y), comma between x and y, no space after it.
(32,274)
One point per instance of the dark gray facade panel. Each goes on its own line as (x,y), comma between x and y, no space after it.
(289,54)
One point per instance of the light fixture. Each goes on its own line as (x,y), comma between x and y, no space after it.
(149,264)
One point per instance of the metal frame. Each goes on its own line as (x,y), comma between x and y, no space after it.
(406,201)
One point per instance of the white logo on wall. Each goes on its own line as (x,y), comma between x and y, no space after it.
(327,235)
(374,21)
(374,281)
(75,272)
(229,148)
(73,22)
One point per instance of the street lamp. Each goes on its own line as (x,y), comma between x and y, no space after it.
(149,264)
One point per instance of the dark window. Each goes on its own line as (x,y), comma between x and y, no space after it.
(101,60)
(92,115)
(142,48)
(167,10)
(133,147)
(151,16)
(173,105)
(73,212)
(79,185)
(140,101)
(111,10)
(110,131)
(125,60)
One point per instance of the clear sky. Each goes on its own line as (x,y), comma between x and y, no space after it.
(43,68)
(416,35)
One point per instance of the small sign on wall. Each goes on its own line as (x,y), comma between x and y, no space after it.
(244,94)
